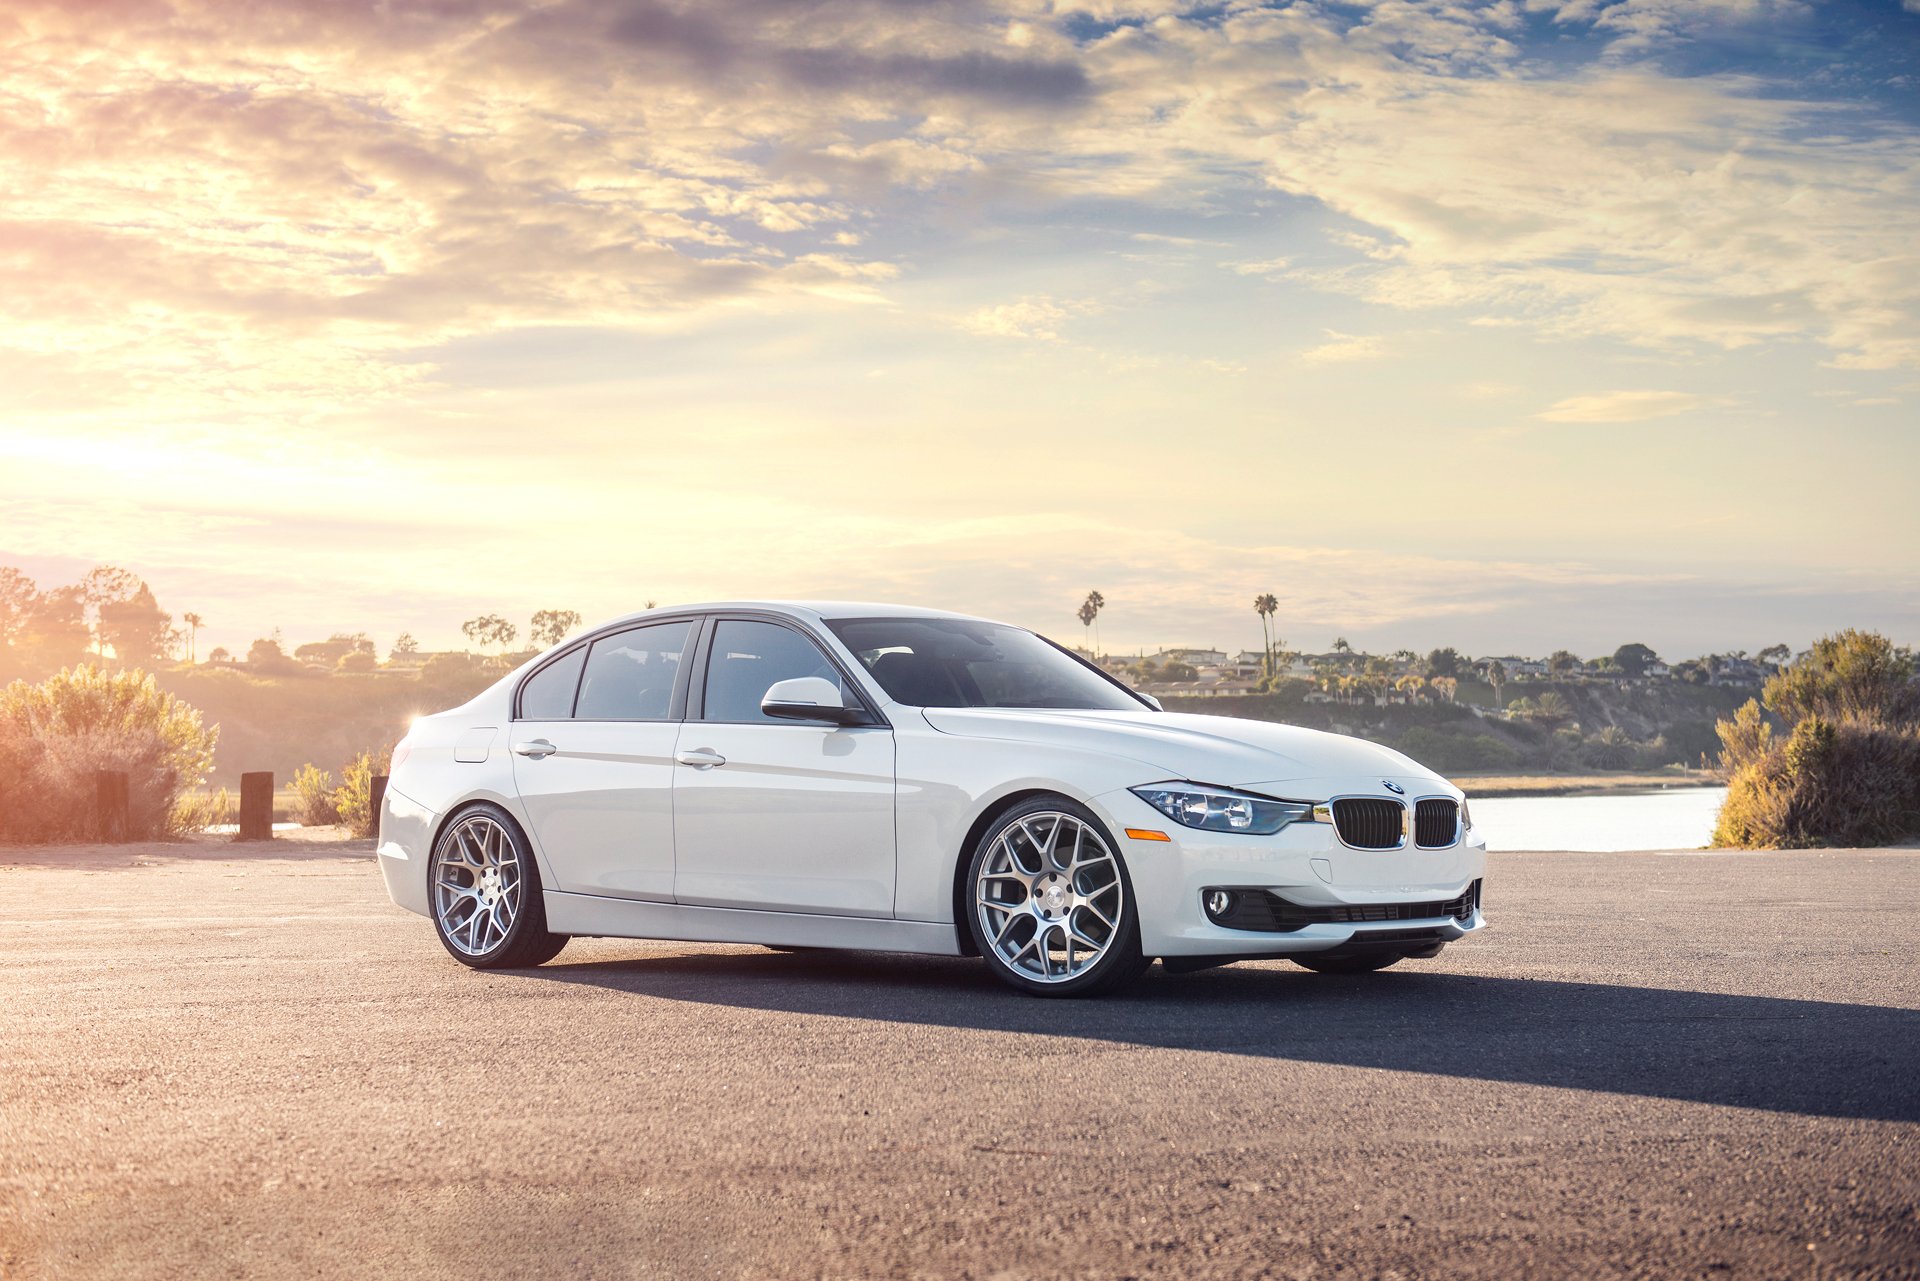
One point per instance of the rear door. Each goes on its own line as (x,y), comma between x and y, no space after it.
(593,745)
(779,815)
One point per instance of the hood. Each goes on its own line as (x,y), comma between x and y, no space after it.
(1223,750)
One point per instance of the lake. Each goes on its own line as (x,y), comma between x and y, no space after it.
(1679,818)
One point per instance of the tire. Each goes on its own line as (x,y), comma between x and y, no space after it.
(483,891)
(1053,920)
(1363,964)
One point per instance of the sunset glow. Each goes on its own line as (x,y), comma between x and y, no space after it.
(1506,326)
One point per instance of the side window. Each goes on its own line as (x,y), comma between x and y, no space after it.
(630,675)
(748,657)
(548,693)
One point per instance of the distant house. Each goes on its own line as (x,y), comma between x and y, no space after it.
(1517,666)
(1738,672)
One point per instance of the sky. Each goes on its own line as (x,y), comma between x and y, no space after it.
(1508,326)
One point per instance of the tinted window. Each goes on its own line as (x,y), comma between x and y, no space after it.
(548,693)
(749,657)
(950,662)
(630,675)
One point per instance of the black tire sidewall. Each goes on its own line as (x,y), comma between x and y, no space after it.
(1122,962)
(527,941)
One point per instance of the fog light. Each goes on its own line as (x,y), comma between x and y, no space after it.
(1219,902)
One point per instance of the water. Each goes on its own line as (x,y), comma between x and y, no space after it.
(1677,819)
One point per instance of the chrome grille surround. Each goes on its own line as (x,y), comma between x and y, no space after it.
(1369,822)
(1436,823)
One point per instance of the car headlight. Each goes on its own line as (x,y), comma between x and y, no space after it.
(1219,809)
(1466,816)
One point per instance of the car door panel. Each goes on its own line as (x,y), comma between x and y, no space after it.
(794,816)
(598,788)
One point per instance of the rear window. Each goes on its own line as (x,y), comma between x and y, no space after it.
(548,693)
(630,674)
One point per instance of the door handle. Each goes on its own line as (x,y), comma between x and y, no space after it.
(537,749)
(700,757)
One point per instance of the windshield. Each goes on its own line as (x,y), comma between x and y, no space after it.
(950,662)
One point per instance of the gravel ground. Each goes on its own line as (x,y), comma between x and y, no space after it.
(243,1061)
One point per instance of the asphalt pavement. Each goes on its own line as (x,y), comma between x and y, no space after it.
(232,1061)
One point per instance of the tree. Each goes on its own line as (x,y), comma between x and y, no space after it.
(17,596)
(1774,655)
(1340,645)
(54,633)
(404,645)
(1496,677)
(135,627)
(1266,604)
(219,655)
(1089,611)
(1447,685)
(1634,659)
(1563,663)
(105,585)
(358,660)
(267,654)
(193,622)
(551,626)
(489,629)
(1443,662)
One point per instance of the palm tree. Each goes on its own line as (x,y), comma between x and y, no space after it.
(1090,610)
(193,622)
(1496,677)
(1267,605)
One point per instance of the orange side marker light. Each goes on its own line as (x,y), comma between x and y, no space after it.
(1147,834)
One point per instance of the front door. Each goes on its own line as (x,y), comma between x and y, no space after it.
(779,815)
(593,761)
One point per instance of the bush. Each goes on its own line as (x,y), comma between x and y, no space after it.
(57,735)
(198,811)
(1454,752)
(313,797)
(354,797)
(1826,784)
(1846,772)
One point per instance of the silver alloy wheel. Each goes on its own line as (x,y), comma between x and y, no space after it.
(1049,896)
(477,885)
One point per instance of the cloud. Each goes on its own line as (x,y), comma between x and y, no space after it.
(1345,348)
(1621,407)
(1038,319)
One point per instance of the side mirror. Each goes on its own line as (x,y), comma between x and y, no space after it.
(809,698)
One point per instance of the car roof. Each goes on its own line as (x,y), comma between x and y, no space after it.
(821,609)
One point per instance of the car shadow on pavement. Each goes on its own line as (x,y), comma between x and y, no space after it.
(1817,1058)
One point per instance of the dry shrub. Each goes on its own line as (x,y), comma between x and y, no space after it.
(1847,772)
(198,811)
(353,799)
(55,737)
(313,802)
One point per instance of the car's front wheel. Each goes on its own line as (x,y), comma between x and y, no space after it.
(487,907)
(1052,909)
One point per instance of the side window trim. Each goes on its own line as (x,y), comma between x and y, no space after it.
(696,706)
(677,701)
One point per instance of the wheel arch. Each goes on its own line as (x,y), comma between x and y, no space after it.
(988,816)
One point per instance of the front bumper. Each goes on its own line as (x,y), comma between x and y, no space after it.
(1304,863)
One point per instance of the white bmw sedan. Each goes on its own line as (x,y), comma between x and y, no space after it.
(905,780)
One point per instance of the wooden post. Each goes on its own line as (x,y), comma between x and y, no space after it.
(256,807)
(377,796)
(110,804)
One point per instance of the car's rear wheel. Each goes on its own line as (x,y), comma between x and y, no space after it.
(487,906)
(1365,963)
(1052,907)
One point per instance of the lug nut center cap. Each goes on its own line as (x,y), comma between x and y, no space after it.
(1052,896)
